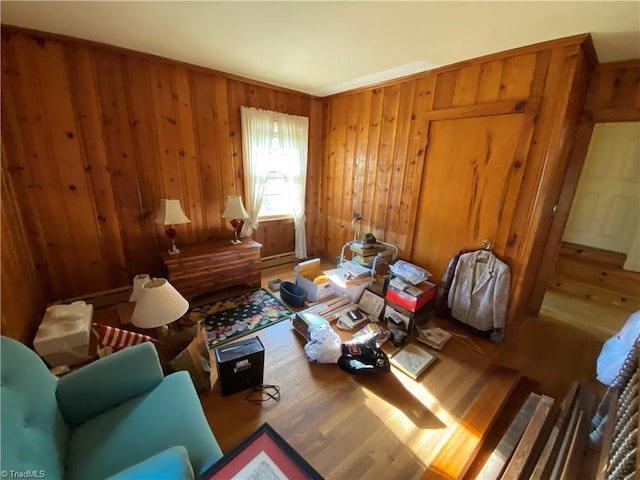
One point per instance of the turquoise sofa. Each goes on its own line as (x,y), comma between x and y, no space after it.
(118,417)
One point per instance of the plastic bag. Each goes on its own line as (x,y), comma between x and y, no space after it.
(363,358)
(410,272)
(324,344)
(615,350)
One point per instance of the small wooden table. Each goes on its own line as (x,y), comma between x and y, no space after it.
(212,266)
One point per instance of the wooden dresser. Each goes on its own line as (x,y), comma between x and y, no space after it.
(212,266)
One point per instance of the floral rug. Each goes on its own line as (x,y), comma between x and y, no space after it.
(226,320)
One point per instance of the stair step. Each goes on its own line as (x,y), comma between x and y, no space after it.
(464,440)
(615,280)
(579,289)
(591,254)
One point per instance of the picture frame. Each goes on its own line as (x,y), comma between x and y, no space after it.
(412,360)
(263,454)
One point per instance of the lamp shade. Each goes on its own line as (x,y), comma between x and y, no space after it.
(234,208)
(138,281)
(170,213)
(158,304)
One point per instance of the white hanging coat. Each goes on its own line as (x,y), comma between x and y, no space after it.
(479,294)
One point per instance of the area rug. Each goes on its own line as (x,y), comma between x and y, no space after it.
(235,317)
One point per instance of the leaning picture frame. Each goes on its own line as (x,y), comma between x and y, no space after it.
(263,454)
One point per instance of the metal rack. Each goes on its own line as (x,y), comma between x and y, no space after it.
(391,249)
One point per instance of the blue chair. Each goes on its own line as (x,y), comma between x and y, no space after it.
(118,417)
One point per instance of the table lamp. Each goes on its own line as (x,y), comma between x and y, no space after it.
(170,213)
(158,304)
(236,212)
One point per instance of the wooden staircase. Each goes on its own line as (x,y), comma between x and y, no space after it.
(595,275)
(462,443)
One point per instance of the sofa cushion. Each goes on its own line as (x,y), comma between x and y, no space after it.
(169,415)
(34,434)
(172,463)
(101,385)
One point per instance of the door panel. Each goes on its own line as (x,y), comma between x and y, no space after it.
(469,186)
(606,210)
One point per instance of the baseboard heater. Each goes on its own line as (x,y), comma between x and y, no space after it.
(279,259)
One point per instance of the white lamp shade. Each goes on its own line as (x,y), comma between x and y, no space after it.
(234,208)
(158,304)
(170,213)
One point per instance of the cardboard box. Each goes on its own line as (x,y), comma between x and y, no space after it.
(411,302)
(63,335)
(306,272)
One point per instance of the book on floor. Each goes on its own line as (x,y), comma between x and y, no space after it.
(412,360)
(434,337)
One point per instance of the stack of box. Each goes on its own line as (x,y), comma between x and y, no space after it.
(365,253)
(405,300)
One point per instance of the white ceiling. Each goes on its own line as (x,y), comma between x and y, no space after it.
(326,47)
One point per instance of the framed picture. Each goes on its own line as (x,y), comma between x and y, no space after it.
(262,455)
(412,360)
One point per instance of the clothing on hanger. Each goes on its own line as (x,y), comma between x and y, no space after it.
(442,309)
(479,292)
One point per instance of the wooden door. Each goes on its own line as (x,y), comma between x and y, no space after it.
(604,213)
(470,184)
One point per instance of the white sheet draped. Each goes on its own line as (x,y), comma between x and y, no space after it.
(257,136)
(293,134)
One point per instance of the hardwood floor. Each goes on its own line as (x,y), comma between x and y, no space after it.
(382,426)
(388,426)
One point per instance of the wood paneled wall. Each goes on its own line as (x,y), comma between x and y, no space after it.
(378,140)
(614,94)
(93,136)
(276,236)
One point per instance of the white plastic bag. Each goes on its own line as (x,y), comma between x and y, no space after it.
(324,345)
(615,350)
(410,272)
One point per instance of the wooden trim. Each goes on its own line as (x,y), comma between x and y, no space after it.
(39,35)
(547,458)
(483,110)
(569,187)
(608,115)
(275,260)
(522,460)
(557,158)
(633,63)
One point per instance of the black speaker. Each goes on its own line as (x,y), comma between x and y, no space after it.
(240,365)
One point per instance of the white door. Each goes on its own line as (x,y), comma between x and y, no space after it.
(606,209)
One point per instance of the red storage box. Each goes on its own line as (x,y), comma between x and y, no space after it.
(410,302)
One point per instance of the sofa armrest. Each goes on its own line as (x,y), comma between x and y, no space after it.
(170,463)
(107,382)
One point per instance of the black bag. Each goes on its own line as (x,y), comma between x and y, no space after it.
(363,358)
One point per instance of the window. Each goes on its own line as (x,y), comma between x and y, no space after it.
(274,156)
(277,199)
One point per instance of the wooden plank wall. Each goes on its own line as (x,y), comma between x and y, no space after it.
(93,136)
(377,139)
(614,94)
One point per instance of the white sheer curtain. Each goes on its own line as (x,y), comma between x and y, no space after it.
(257,136)
(293,135)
